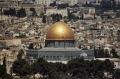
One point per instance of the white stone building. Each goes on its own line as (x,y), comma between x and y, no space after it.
(44,2)
(70,2)
(11,42)
(63,12)
(10,58)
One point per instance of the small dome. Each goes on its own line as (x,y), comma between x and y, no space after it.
(60,31)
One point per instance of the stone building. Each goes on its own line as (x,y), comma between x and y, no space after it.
(59,46)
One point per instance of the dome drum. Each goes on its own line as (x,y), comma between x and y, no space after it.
(59,43)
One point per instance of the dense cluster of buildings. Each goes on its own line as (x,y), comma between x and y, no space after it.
(83,30)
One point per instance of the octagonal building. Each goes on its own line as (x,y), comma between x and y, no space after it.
(59,46)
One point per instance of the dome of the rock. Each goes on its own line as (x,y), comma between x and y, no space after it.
(60,31)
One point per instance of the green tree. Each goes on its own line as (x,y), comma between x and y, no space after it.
(106,54)
(31,46)
(3,71)
(44,18)
(34,13)
(96,68)
(79,68)
(21,68)
(118,15)
(114,53)
(4,65)
(40,66)
(12,12)
(108,67)
(59,67)
(116,74)
(20,54)
(21,13)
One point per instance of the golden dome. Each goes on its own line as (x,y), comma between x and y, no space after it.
(60,31)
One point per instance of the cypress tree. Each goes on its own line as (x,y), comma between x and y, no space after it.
(4,65)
